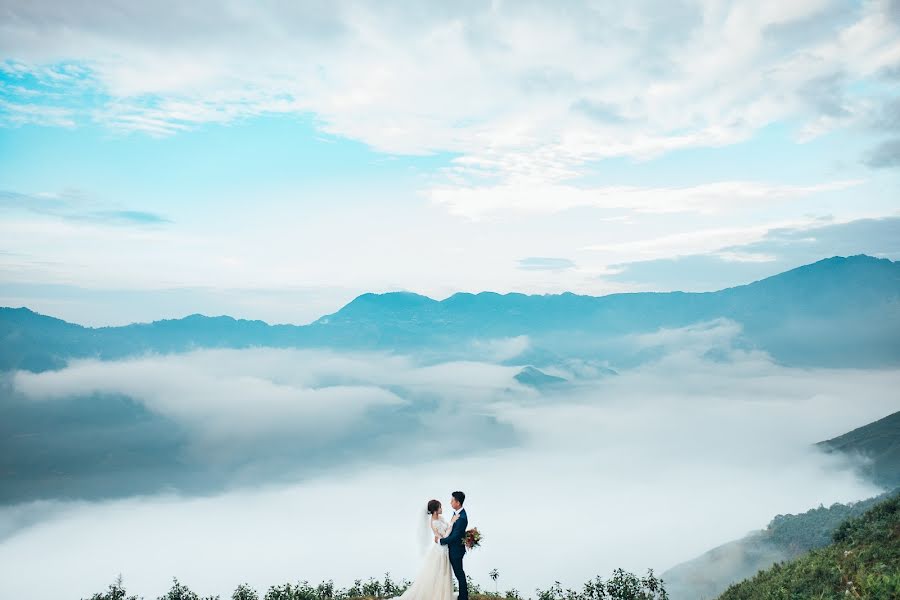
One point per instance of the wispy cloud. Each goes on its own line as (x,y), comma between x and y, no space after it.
(75,206)
(128,217)
(709,198)
(535,263)
(52,95)
(224,409)
(884,155)
(21,113)
(763,252)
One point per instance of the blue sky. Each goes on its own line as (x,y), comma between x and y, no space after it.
(274,162)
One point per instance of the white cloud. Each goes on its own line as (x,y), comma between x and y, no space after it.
(708,198)
(757,253)
(244,396)
(745,257)
(501,349)
(698,241)
(17,113)
(224,396)
(701,336)
(620,79)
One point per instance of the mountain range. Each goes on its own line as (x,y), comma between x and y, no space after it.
(838,312)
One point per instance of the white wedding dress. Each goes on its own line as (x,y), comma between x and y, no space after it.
(435,578)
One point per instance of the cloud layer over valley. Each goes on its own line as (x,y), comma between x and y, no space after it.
(641,469)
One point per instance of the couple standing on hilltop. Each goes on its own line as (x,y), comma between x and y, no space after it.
(434,581)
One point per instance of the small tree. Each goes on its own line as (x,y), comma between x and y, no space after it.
(325,590)
(372,588)
(621,586)
(474,588)
(116,592)
(495,575)
(301,591)
(355,591)
(390,587)
(182,592)
(244,592)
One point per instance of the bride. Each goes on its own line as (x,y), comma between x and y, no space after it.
(435,579)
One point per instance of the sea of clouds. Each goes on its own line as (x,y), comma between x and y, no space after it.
(639,470)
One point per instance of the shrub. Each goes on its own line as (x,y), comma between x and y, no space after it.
(244,592)
(116,591)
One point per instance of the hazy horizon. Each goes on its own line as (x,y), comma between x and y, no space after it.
(336,308)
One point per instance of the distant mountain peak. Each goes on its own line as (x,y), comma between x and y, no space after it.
(24,314)
(843,261)
(398,298)
(372,304)
(536,378)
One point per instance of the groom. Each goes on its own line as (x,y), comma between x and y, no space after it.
(455,543)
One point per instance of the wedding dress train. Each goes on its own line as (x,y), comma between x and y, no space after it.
(435,578)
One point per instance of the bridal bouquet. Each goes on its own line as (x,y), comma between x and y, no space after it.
(472,538)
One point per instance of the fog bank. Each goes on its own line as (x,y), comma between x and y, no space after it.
(641,470)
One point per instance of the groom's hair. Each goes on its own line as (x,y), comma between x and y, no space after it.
(460,497)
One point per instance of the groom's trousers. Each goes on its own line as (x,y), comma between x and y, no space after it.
(456,563)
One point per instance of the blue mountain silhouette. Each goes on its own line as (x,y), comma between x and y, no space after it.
(835,312)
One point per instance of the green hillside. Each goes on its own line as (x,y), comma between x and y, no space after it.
(863,561)
(879,444)
(790,536)
(785,538)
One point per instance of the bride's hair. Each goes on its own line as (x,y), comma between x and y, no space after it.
(433,506)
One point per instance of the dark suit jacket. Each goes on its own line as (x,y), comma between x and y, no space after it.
(454,540)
